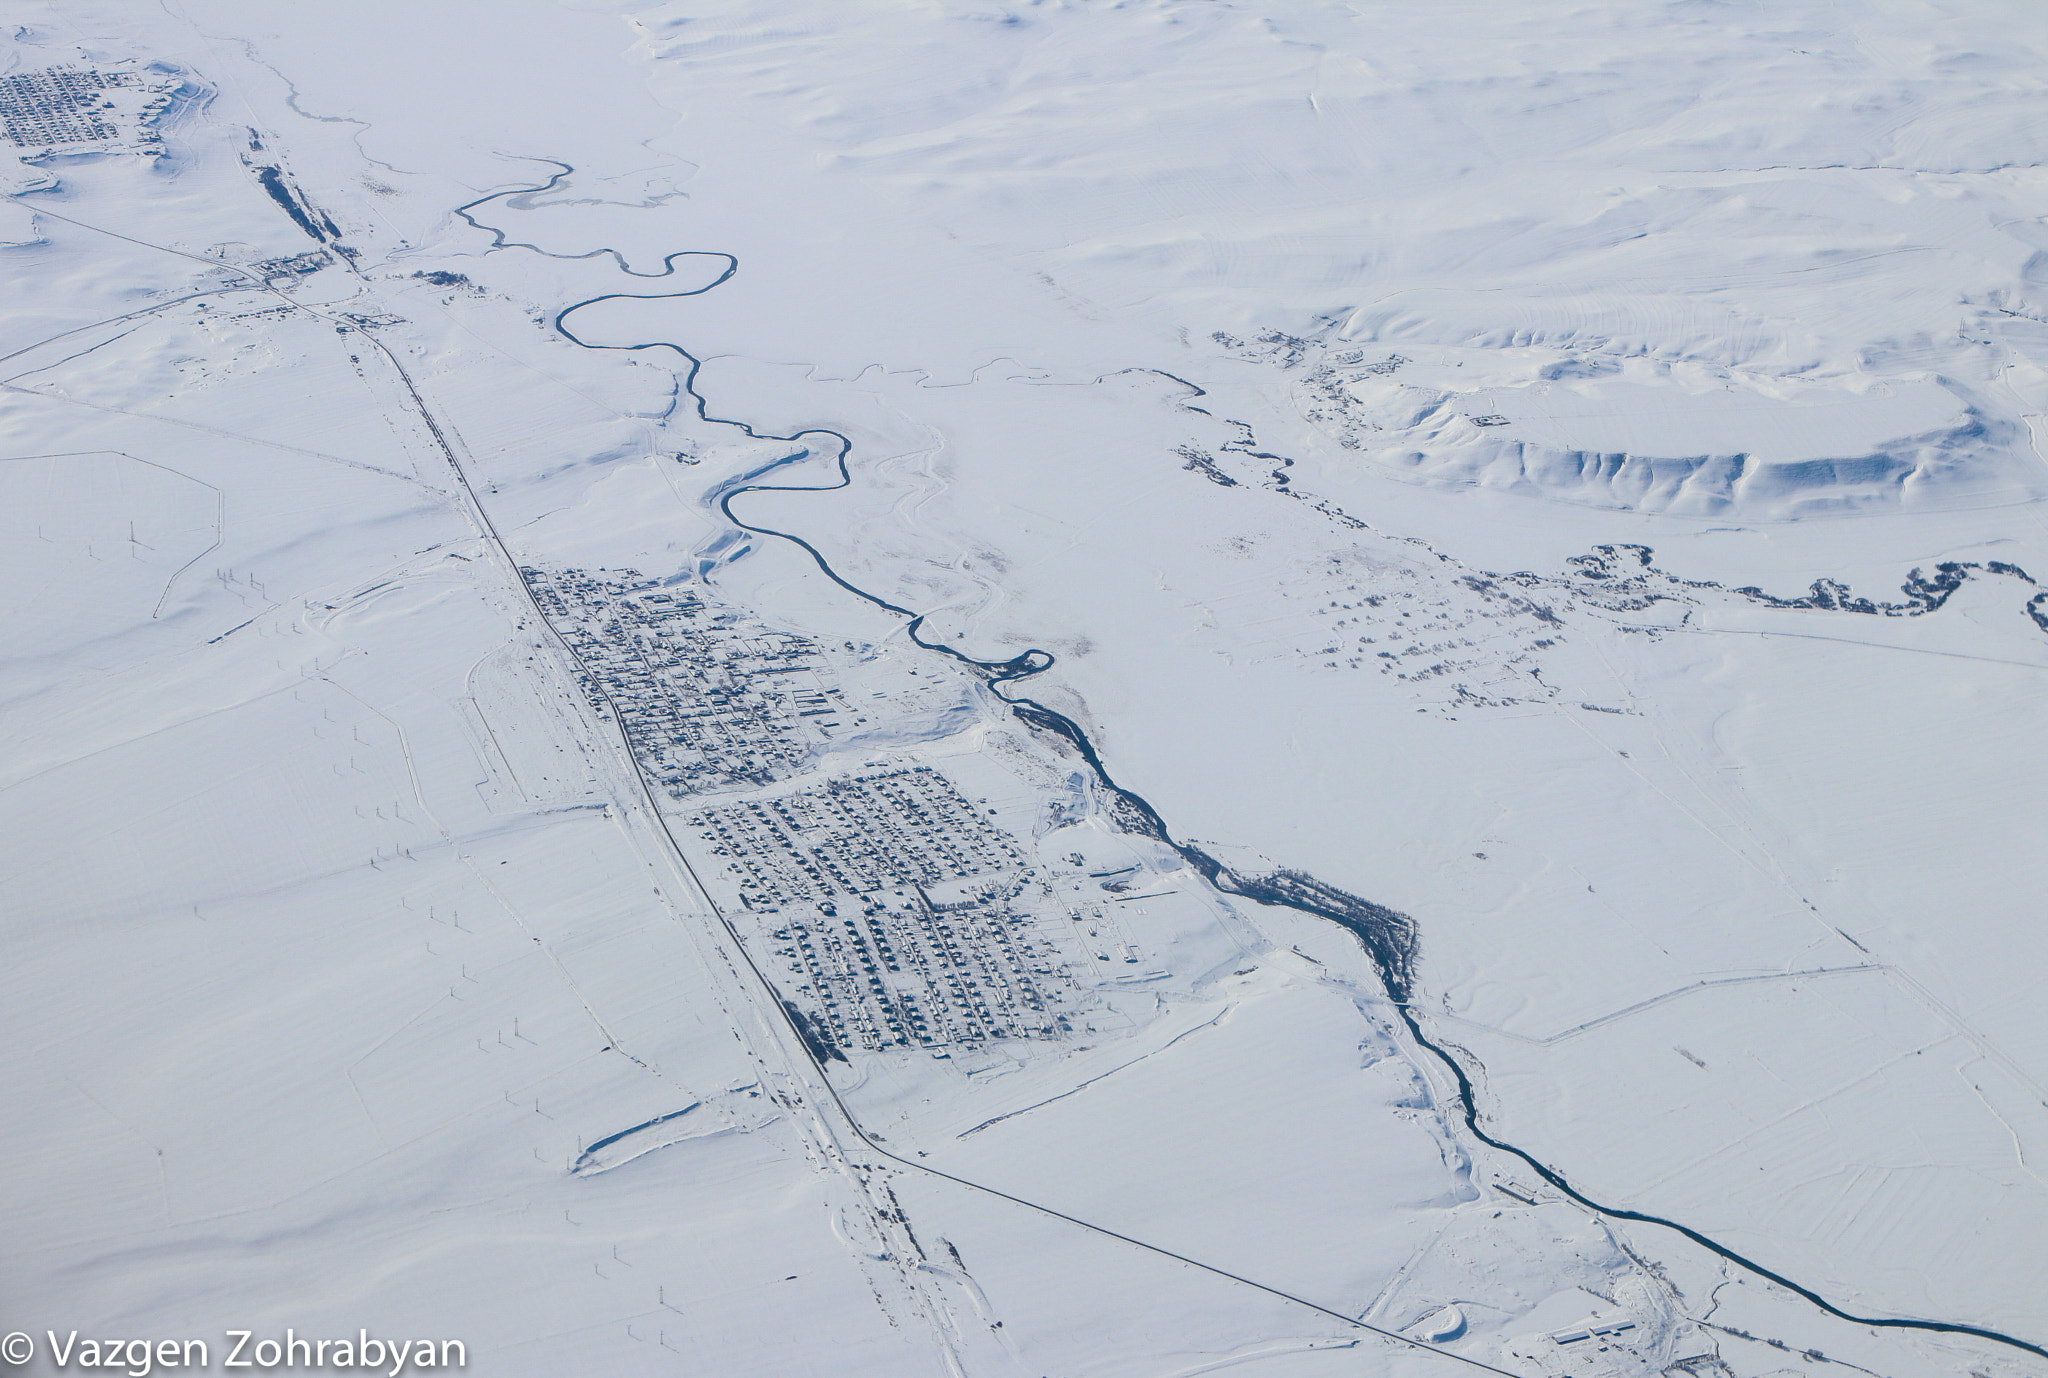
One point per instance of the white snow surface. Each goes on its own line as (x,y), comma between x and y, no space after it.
(1566,474)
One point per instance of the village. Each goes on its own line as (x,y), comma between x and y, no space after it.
(901,914)
(707,697)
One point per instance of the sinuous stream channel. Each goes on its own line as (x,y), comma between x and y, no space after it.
(1388,937)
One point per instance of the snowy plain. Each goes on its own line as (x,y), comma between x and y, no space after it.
(1563,477)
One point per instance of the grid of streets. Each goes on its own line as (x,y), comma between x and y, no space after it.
(59,107)
(894,904)
(708,698)
(902,916)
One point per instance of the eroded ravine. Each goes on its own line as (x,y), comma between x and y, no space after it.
(1389,938)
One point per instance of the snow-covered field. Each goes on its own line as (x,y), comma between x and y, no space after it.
(1017,689)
